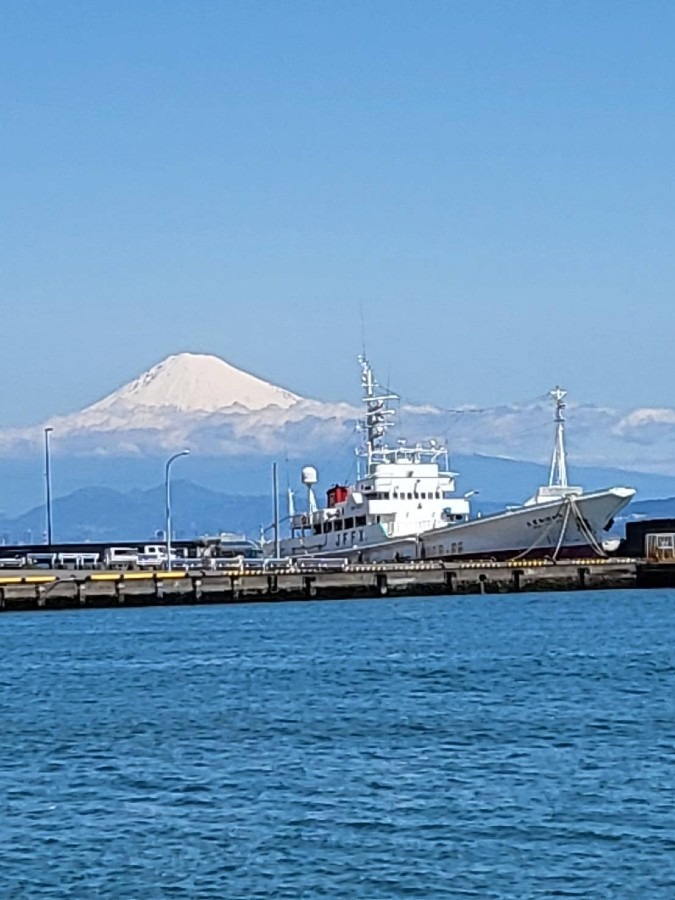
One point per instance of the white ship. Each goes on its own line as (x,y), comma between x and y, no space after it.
(404,505)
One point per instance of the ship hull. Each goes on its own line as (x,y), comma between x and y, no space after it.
(563,528)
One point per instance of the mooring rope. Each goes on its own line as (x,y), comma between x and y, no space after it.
(540,536)
(585,529)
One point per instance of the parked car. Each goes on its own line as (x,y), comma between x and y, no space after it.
(121,558)
(12,562)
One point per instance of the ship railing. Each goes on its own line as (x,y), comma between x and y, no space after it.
(414,454)
(271,565)
(235,564)
(269,562)
(324,563)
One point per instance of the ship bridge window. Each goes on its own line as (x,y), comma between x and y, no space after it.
(447,495)
(327,526)
(410,496)
(360,521)
(337,525)
(438,495)
(349,523)
(317,529)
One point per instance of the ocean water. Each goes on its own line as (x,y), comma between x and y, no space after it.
(460,747)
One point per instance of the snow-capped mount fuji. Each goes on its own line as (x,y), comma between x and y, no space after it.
(189,400)
(196,382)
(183,384)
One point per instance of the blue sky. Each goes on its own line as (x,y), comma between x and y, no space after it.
(491,181)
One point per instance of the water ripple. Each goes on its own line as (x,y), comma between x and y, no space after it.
(511,747)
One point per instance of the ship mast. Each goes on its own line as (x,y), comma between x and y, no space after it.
(558,473)
(378,418)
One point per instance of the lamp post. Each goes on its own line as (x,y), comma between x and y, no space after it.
(167,491)
(48,485)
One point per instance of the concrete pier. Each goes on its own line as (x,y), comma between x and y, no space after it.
(245,583)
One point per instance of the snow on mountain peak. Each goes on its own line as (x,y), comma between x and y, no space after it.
(196,382)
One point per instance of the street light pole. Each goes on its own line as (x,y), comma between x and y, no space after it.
(275,488)
(48,485)
(167,491)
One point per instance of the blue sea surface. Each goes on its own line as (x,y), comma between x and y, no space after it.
(517,746)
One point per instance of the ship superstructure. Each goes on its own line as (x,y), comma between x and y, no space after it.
(401,491)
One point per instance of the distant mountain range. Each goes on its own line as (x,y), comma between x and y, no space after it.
(235,424)
(101,514)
